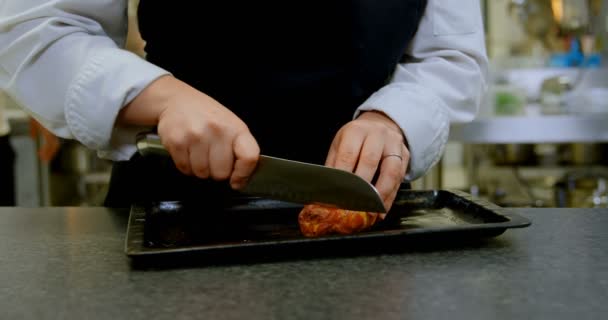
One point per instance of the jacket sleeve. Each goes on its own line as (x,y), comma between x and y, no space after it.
(442,80)
(63,62)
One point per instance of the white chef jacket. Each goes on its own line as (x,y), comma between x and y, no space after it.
(64,62)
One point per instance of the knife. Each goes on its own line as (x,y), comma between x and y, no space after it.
(294,181)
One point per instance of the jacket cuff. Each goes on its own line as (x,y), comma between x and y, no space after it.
(107,82)
(422,118)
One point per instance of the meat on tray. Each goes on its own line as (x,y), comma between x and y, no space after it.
(318,220)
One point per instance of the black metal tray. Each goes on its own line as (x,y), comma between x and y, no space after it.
(254,226)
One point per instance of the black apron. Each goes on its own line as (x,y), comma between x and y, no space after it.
(294,72)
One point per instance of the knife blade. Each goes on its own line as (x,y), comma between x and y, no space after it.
(295,181)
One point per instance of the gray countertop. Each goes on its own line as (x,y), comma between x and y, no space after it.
(69,263)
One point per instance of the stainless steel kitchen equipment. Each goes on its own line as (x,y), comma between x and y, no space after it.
(582,189)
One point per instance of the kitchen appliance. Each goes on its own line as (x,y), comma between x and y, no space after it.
(536,17)
(294,181)
(512,154)
(571,15)
(164,232)
(582,189)
(546,21)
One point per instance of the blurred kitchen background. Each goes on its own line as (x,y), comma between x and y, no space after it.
(540,139)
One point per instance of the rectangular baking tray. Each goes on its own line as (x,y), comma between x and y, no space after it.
(257,227)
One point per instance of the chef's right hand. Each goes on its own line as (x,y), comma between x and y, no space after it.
(204,138)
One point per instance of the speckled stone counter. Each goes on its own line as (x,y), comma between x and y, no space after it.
(69,263)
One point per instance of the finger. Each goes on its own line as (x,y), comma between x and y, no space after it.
(369,159)
(247,153)
(406,159)
(199,159)
(178,149)
(348,150)
(388,202)
(221,159)
(391,175)
(333,149)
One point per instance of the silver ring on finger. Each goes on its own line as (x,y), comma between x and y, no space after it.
(393,155)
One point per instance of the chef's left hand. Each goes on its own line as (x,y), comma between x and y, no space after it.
(370,143)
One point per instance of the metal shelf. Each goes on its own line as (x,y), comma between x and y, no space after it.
(591,128)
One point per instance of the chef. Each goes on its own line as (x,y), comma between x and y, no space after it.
(369,87)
